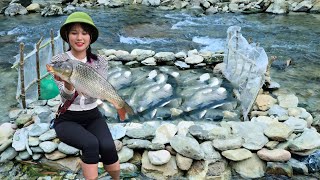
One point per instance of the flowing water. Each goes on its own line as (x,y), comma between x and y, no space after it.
(293,36)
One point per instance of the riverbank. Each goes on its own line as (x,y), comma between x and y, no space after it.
(279,140)
(198,7)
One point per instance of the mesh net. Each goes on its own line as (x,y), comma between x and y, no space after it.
(246,65)
(48,87)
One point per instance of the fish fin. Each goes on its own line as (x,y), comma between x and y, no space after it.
(49,68)
(126,109)
(122,114)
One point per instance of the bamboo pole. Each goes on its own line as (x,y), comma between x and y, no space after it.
(52,41)
(38,65)
(15,65)
(23,95)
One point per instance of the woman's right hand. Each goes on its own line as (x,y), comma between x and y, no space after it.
(66,84)
(57,78)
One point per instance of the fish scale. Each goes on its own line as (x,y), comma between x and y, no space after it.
(88,80)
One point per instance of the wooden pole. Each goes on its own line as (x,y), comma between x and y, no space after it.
(23,95)
(38,66)
(52,41)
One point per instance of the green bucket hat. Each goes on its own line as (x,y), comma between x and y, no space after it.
(79,17)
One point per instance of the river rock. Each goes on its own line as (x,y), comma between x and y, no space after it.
(38,129)
(303,6)
(67,164)
(14,113)
(164,133)
(34,7)
(164,56)
(183,163)
(277,155)
(253,167)
(316,7)
(183,127)
(165,171)
(181,65)
(6,167)
(298,167)
(265,102)
(198,170)
(264,119)
(48,146)
(118,145)
(52,10)
(209,152)
(194,59)
(150,61)
(277,168)
(23,119)
(187,147)
(15,9)
(217,169)
(33,141)
(5,145)
(6,132)
(140,131)
(159,157)
(180,55)
(198,132)
(24,155)
(36,149)
(278,7)
(117,131)
(142,54)
(288,100)
(55,155)
(20,139)
(278,131)
(297,124)
(67,149)
(137,143)
(251,132)
(49,135)
(129,169)
(237,154)
(277,111)
(36,157)
(228,144)
(125,154)
(309,139)
(8,154)
(271,144)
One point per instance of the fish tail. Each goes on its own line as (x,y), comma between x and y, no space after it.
(126,109)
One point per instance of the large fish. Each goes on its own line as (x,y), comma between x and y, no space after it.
(88,81)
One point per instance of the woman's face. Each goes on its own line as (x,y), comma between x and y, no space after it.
(79,39)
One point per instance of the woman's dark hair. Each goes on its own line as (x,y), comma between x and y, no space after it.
(87,28)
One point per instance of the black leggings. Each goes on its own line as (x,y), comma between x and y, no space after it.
(87,131)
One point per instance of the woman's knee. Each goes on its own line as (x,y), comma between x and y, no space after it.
(107,146)
(108,153)
(90,151)
(112,167)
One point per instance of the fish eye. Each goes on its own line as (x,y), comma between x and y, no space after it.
(67,68)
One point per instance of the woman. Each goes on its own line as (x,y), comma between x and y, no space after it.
(82,125)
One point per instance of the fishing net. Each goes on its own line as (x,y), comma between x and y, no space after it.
(48,88)
(246,65)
